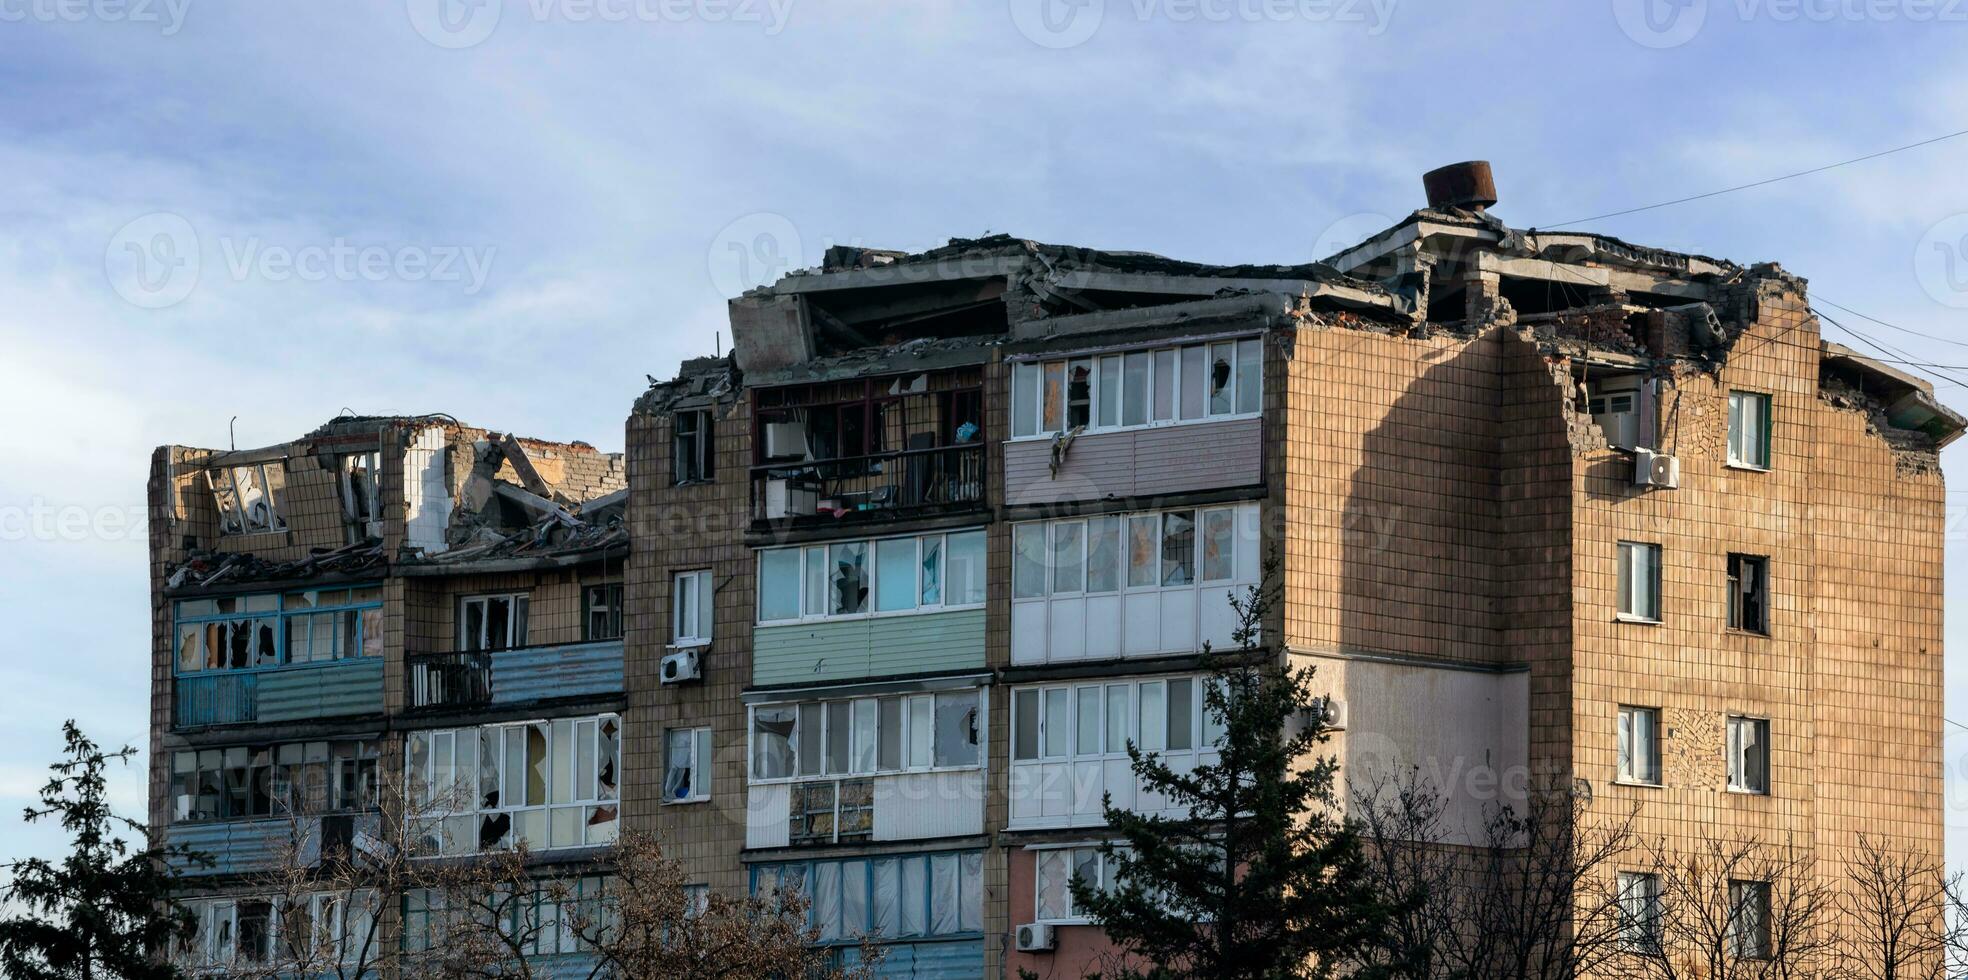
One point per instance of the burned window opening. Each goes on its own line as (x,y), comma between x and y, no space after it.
(250,498)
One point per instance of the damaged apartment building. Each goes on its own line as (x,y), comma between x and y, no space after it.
(873,605)
(385,608)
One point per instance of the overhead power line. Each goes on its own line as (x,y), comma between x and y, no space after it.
(1759,183)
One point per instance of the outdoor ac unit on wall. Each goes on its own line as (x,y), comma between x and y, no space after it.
(1035,937)
(680,666)
(1652,469)
(785,440)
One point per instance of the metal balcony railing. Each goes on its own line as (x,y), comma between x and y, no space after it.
(900,483)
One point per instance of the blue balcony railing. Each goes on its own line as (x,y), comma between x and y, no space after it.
(280,694)
(472,680)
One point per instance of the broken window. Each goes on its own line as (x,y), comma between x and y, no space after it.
(492,622)
(923,572)
(1639,745)
(693,455)
(691,608)
(1640,911)
(1638,581)
(1079,394)
(1193,383)
(604,611)
(1748,929)
(1749,593)
(249,782)
(1749,429)
(894,897)
(864,736)
(1058,868)
(270,630)
(250,498)
(362,503)
(1178,547)
(686,765)
(548,784)
(1749,754)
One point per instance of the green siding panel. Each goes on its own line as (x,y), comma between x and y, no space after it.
(883,646)
(351,687)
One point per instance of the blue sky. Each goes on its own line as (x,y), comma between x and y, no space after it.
(608,173)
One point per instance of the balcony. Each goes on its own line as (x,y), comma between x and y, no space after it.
(454,681)
(238,847)
(882,486)
(280,694)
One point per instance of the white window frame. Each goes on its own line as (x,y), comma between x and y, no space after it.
(701,749)
(909,739)
(1746,443)
(825,549)
(1599,401)
(1106,869)
(369,497)
(515,636)
(1031,372)
(1237,512)
(1203,736)
(1630,771)
(692,616)
(586,790)
(1637,578)
(1740,768)
(1640,910)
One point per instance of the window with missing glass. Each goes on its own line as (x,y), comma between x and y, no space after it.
(266,630)
(686,765)
(1056,870)
(550,784)
(492,622)
(1133,389)
(693,454)
(1113,553)
(866,736)
(1749,593)
(1749,755)
(248,782)
(918,573)
(1639,745)
(602,612)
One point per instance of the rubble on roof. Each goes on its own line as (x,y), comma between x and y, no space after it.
(209,569)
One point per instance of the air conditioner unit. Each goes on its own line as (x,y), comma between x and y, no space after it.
(1328,712)
(1652,469)
(682,665)
(785,440)
(1035,937)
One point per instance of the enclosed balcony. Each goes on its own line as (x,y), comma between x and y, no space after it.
(453,681)
(869,449)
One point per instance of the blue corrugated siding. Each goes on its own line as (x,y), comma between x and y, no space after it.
(233,847)
(557,672)
(352,687)
(216,699)
(951,960)
(881,646)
